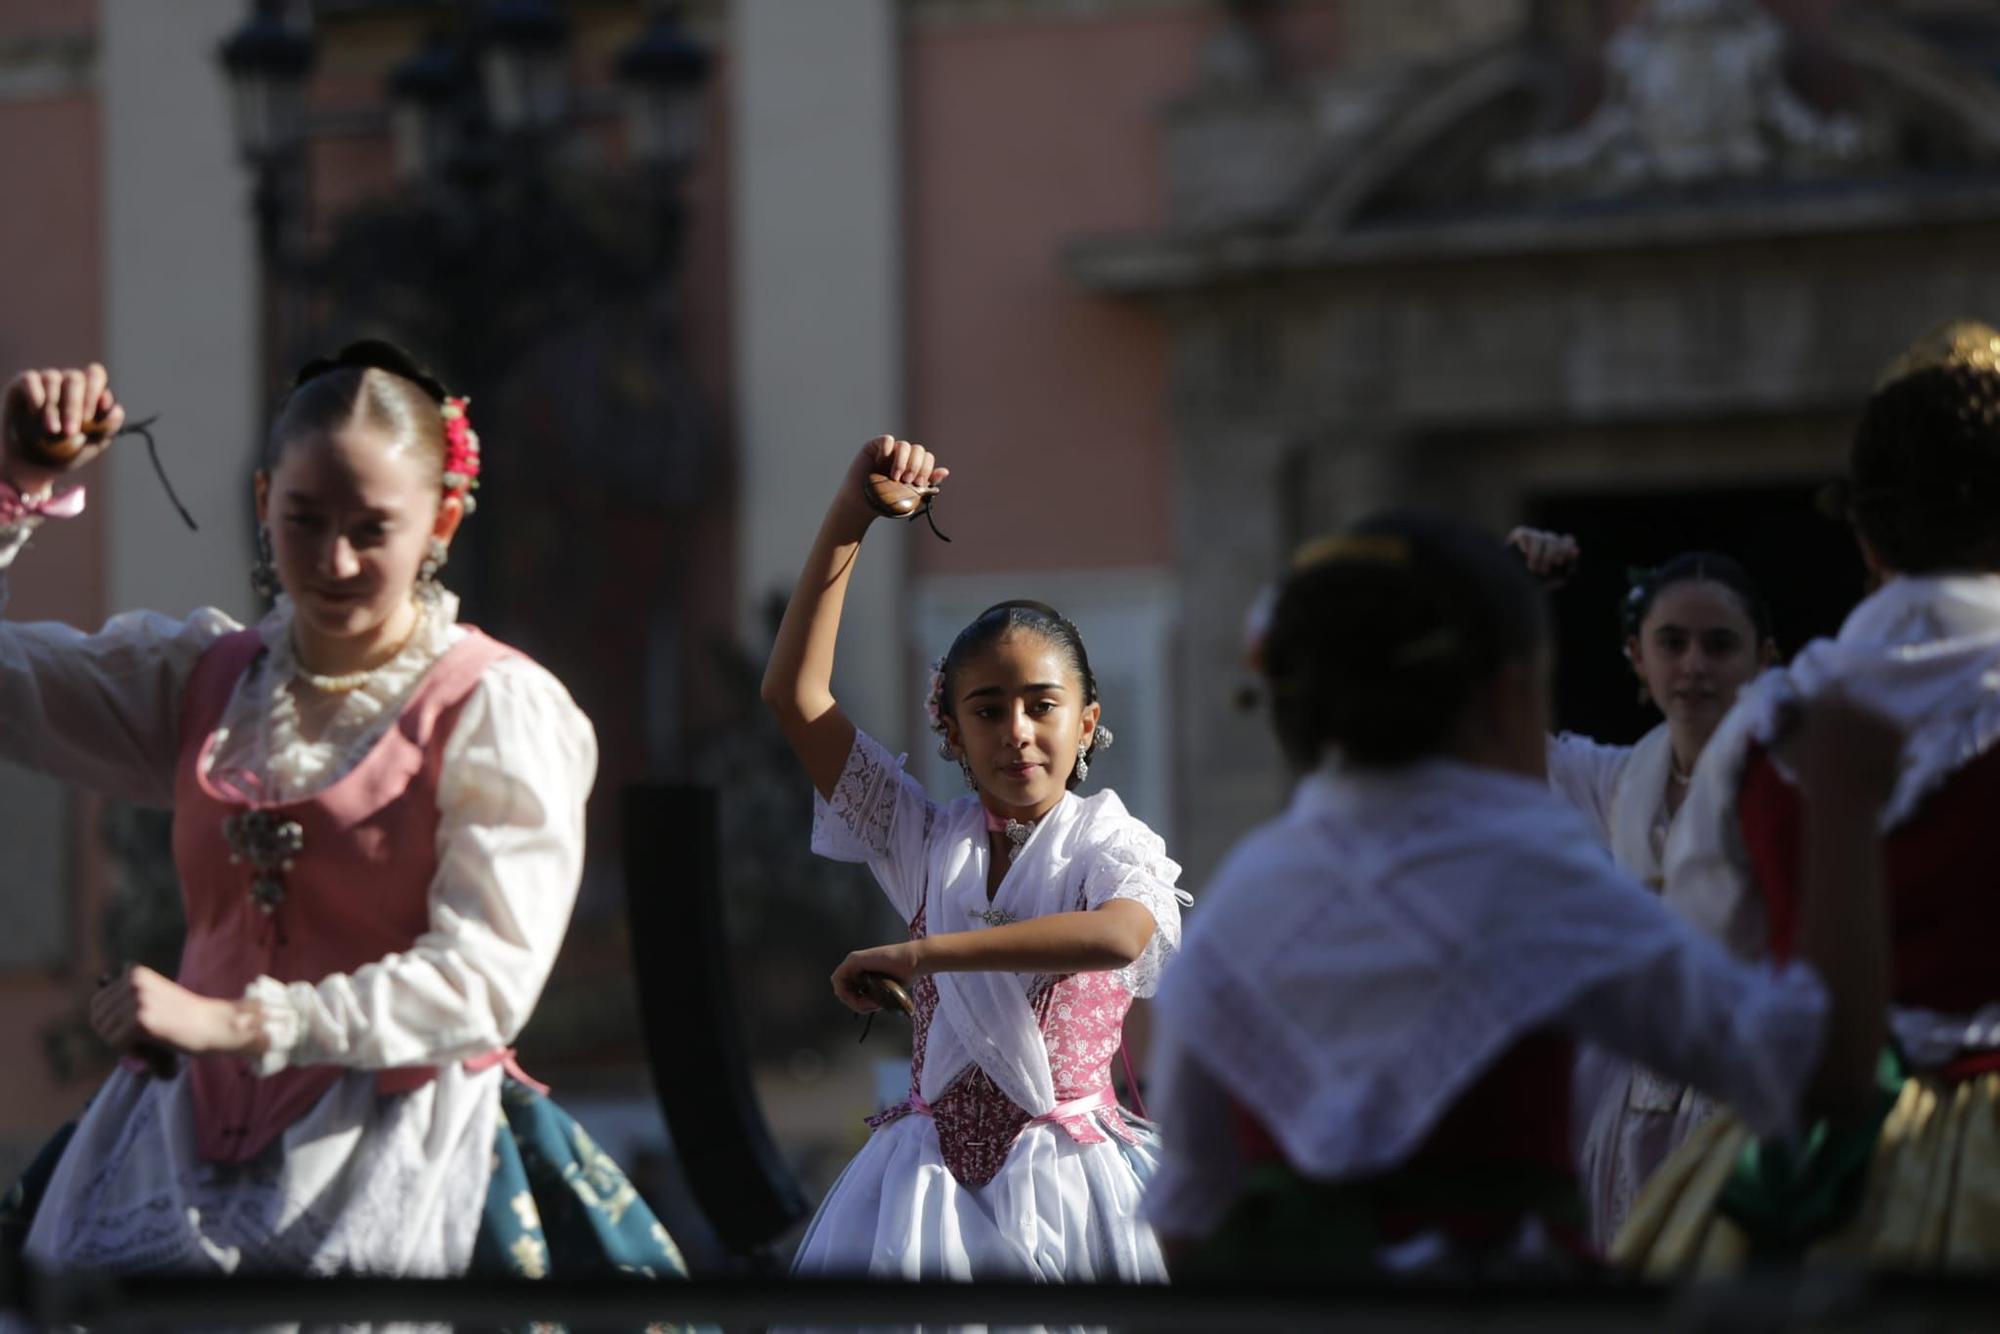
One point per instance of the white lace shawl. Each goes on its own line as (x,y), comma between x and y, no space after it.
(1083,854)
(1925,651)
(1358,963)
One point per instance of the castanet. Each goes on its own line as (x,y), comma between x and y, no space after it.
(52,450)
(899,500)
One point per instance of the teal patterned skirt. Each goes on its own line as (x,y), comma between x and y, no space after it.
(557,1205)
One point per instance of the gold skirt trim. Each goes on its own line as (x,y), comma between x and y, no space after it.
(1931,1202)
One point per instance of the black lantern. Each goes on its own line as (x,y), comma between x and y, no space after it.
(267,60)
(664,74)
(427,100)
(522,49)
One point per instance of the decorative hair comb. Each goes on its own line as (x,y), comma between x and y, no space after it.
(61,452)
(1353,548)
(899,500)
(1967,344)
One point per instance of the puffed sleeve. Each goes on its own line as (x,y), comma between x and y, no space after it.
(1133,864)
(879,816)
(100,710)
(1585,774)
(516,773)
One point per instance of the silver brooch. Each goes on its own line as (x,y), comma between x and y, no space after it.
(268,842)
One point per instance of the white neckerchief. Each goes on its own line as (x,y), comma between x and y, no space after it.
(1360,961)
(985,1017)
(1923,651)
(1637,803)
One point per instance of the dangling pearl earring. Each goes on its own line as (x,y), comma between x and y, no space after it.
(263,570)
(1083,764)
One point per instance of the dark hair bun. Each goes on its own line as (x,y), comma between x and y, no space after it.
(1381,636)
(1924,485)
(374,354)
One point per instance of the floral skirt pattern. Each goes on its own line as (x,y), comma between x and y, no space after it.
(557,1205)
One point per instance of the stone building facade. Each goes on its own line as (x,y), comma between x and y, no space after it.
(1452,275)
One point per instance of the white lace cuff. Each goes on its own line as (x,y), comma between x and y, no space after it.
(14,536)
(284,1023)
(1135,866)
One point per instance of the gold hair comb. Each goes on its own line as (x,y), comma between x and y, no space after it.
(1967,344)
(1360,548)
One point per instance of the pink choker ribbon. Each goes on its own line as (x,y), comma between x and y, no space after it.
(15,507)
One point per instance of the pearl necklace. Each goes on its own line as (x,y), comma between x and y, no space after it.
(348,682)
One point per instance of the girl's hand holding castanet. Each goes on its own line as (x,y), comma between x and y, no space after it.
(901,463)
(55,421)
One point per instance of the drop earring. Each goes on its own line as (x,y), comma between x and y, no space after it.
(263,570)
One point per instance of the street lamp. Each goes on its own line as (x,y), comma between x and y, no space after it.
(427,107)
(267,60)
(663,73)
(522,49)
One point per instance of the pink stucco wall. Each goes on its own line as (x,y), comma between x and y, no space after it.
(53,317)
(1050,404)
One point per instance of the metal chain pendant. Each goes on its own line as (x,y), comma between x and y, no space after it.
(268,842)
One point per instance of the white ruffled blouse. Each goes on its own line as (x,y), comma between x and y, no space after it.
(103,710)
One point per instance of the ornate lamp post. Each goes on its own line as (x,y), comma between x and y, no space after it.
(523,51)
(267,61)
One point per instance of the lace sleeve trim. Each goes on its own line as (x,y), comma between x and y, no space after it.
(1135,866)
(856,822)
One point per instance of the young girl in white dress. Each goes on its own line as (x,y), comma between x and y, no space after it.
(1697,630)
(1365,1047)
(378,828)
(1035,916)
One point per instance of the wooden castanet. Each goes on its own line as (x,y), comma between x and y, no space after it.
(61,451)
(886,992)
(893,499)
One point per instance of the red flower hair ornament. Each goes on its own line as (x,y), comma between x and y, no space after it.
(461,452)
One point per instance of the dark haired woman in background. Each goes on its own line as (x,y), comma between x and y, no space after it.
(1035,917)
(1366,1042)
(1697,630)
(378,829)
(1916,1189)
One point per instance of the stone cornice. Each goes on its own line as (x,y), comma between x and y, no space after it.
(1164,264)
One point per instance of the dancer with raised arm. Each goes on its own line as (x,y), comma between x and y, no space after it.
(1909,1189)
(1035,916)
(378,829)
(1697,630)
(1366,1044)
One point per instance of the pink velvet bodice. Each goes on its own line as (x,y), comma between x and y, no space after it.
(357,890)
(1082,1018)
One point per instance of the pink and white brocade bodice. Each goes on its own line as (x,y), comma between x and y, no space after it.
(1082,1019)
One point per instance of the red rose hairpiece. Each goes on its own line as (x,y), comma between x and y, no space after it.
(461,451)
